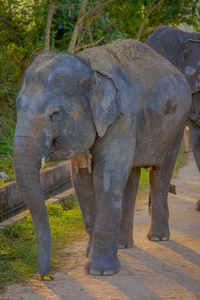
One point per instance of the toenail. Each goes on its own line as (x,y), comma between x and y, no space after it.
(165,238)
(154,238)
(95,273)
(108,273)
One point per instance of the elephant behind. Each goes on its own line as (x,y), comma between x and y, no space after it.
(119,107)
(182,49)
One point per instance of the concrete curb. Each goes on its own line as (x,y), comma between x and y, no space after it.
(21,216)
(50,177)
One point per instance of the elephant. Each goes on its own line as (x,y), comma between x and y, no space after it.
(182,49)
(111,110)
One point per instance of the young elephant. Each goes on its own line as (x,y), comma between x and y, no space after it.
(182,49)
(122,105)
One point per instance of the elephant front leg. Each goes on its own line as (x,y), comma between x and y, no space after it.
(84,189)
(159,179)
(109,186)
(127,210)
(103,260)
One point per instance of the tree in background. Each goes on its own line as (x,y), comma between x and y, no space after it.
(63,24)
(80,29)
(29,26)
(137,19)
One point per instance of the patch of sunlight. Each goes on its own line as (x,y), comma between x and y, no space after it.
(161,278)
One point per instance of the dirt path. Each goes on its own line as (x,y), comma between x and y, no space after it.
(149,270)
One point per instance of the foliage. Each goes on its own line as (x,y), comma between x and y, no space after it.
(6,140)
(63,22)
(18,250)
(22,34)
(127,16)
(174,12)
(23,22)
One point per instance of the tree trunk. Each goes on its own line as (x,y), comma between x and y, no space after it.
(48,25)
(78,26)
(148,12)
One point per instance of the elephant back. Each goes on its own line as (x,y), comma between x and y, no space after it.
(130,60)
(182,49)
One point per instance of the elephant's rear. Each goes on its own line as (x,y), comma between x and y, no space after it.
(182,49)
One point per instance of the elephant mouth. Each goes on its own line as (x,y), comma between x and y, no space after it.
(53,150)
(61,150)
(57,151)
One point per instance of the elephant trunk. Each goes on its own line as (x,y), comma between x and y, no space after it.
(26,161)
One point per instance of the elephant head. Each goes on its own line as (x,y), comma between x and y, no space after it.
(62,107)
(182,49)
(190,63)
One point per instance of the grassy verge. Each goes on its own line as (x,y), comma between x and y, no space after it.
(18,250)
(181,159)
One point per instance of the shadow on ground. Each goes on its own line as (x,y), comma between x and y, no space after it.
(149,270)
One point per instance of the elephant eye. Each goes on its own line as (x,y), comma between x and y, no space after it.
(56,113)
(56,116)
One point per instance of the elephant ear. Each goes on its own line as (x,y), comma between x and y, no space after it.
(104,99)
(190,64)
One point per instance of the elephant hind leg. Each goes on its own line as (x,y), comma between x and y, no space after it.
(159,213)
(127,210)
(159,179)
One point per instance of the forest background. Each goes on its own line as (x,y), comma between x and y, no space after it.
(30,26)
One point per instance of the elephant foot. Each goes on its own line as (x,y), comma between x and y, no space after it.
(125,239)
(125,243)
(198,206)
(103,268)
(157,238)
(158,234)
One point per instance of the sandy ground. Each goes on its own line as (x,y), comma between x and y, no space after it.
(149,270)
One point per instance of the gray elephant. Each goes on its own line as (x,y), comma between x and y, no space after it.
(182,49)
(118,108)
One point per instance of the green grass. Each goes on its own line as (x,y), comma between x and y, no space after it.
(18,250)
(181,159)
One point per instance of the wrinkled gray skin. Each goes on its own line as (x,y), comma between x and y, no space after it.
(128,106)
(182,49)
